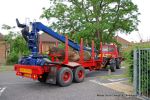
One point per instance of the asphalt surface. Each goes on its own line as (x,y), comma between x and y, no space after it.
(13,87)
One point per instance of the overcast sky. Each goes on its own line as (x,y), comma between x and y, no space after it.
(22,9)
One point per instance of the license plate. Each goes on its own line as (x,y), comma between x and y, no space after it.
(27,75)
(23,70)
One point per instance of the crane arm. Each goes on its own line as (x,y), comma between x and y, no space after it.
(32,36)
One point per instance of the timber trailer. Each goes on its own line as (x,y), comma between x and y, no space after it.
(38,67)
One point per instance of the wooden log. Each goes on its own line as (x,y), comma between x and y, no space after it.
(72,54)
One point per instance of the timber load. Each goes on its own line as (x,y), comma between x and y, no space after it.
(72,54)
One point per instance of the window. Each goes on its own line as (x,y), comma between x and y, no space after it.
(107,49)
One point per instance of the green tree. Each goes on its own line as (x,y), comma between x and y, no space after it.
(18,46)
(92,19)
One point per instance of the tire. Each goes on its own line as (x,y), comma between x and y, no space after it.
(78,74)
(113,65)
(118,64)
(43,79)
(64,76)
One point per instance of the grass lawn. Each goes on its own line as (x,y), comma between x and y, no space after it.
(6,68)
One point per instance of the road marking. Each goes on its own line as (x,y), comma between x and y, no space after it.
(16,83)
(118,86)
(97,82)
(2,90)
(113,80)
(123,67)
(105,84)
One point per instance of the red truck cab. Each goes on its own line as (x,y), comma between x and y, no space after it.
(110,51)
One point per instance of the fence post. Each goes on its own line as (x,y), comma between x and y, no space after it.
(135,71)
(139,71)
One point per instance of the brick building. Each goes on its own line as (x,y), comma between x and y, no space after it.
(3,50)
(47,42)
(125,44)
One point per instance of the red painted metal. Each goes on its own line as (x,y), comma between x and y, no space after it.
(81,52)
(113,53)
(54,57)
(35,70)
(81,74)
(93,54)
(66,77)
(101,57)
(91,64)
(66,51)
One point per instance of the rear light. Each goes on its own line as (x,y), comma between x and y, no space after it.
(40,76)
(19,74)
(34,76)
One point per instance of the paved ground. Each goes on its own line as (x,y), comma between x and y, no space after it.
(16,88)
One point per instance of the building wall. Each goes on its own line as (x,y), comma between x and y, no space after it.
(2,52)
(125,44)
(46,46)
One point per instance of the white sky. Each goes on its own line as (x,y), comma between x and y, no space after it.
(22,9)
(144,9)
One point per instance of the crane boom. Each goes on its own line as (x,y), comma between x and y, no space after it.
(32,37)
(49,31)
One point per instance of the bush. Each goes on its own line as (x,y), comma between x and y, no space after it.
(128,55)
(12,58)
(18,48)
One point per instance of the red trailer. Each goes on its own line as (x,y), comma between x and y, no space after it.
(62,72)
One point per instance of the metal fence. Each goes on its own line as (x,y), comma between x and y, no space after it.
(142,73)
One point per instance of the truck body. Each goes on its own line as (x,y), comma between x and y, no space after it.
(39,67)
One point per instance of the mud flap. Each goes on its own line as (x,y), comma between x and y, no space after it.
(51,78)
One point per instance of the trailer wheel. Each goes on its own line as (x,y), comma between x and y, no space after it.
(118,64)
(43,78)
(113,66)
(79,74)
(64,76)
